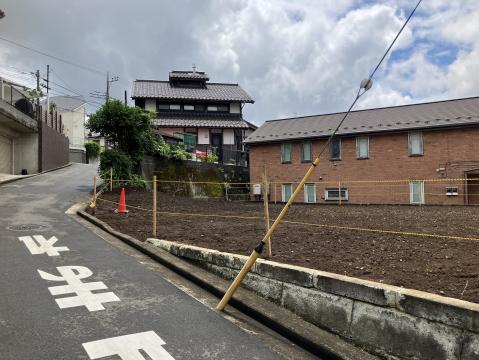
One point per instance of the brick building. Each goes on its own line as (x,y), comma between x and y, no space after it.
(414,154)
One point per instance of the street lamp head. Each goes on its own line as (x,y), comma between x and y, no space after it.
(366,84)
(2,14)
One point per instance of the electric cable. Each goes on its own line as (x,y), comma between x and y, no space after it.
(80,66)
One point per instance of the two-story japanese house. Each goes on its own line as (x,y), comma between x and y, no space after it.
(207,116)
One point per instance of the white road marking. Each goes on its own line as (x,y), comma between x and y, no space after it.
(43,246)
(128,347)
(84,296)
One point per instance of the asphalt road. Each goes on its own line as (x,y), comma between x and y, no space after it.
(146,317)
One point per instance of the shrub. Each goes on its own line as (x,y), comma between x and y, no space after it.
(120,163)
(92,150)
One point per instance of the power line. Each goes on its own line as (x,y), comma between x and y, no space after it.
(83,67)
(68,87)
(367,83)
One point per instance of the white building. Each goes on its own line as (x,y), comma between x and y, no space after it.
(74,117)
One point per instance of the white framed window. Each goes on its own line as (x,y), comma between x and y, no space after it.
(188,107)
(306,151)
(452,191)
(335,149)
(334,194)
(286,152)
(415,143)
(286,192)
(309,193)
(175,107)
(416,192)
(362,147)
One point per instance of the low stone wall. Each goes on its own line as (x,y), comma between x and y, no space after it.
(386,320)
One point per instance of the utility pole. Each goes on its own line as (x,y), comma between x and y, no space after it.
(48,88)
(107,86)
(37,75)
(126,100)
(108,82)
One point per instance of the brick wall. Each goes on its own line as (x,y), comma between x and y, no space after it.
(455,150)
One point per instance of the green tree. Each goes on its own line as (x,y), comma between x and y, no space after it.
(128,130)
(92,150)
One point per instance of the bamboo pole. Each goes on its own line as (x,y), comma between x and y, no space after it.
(154,207)
(266,210)
(259,248)
(275,192)
(93,203)
(111,179)
(339,192)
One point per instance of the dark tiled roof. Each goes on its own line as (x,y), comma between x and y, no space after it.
(189,75)
(209,122)
(450,113)
(213,91)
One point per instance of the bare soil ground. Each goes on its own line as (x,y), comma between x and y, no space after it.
(443,266)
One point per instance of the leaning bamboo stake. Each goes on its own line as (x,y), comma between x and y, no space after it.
(154,206)
(259,248)
(364,86)
(111,179)
(266,210)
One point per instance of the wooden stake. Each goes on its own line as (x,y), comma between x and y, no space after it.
(154,206)
(93,203)
(275,193)
(266,210)
(256,252)
(111,179)
(339,191)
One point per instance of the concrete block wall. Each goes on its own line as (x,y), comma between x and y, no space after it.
(388,321)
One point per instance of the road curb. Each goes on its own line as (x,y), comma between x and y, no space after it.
(33,175)
(309,337)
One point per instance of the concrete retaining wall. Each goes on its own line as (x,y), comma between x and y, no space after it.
(389,321)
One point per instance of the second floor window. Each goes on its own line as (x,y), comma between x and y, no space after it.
(286,152)
(415,143)
(306,151)
(362,147)
(188,107)
(174,107)
(335,149)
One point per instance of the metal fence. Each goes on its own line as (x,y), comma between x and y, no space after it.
(19,100)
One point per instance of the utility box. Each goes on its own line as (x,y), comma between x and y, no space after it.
(256,189)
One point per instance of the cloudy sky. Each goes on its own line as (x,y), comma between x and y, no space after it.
(295,58)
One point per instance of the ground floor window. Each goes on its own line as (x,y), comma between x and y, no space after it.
(416,192)
(309,193)
(287,191)
(336,194)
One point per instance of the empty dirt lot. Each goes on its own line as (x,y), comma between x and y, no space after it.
(448,267)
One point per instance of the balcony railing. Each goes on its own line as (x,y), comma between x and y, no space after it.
(19,100)
(221,155)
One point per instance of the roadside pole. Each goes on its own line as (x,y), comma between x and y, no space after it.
(266,210)
(111,179)
(93,204)
(154,207)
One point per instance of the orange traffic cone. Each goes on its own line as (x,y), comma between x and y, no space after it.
(122,203)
